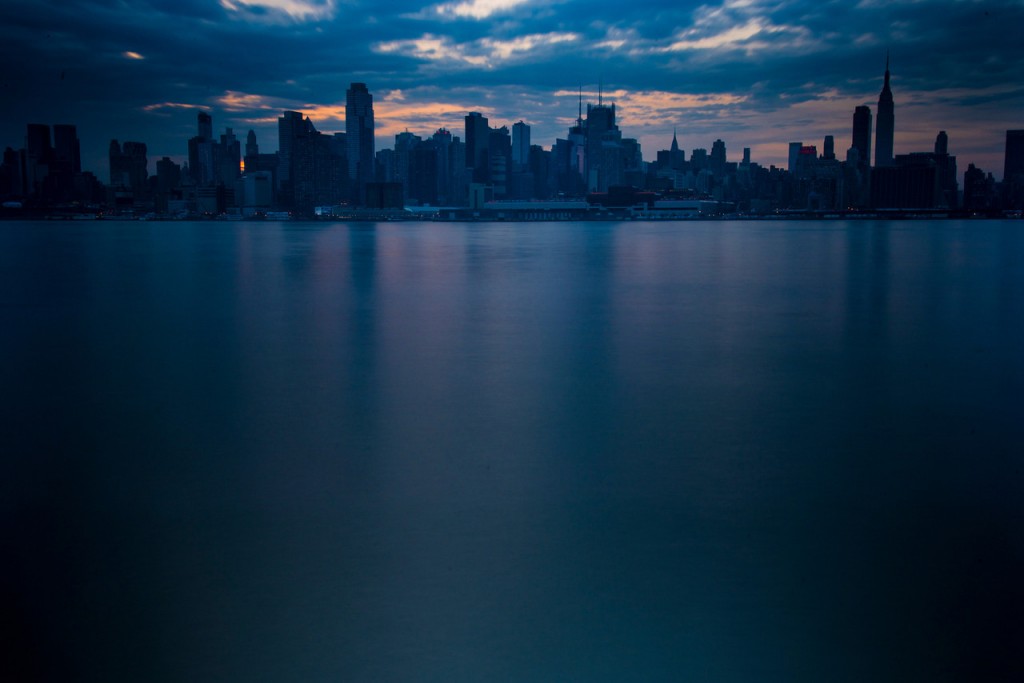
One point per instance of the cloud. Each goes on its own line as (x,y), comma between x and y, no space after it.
(128,54)
(239,101)
(276,11)
(172,105)
(485,52)
(471,9)
(431,48)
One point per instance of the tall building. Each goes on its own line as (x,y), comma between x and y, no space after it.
(520,144)
(252,148)
(1013,170)
(499,149)
(290,125)
(886,123)
(38,158)
(205,125)
(676,156)
(478,136)
(227,158)
(717,160)
(200,151)
(66,148)
(862,134)
(829,148)
(794,155)
(359,138)
(1013,162)
(946,164)
(604,157)
(129,167)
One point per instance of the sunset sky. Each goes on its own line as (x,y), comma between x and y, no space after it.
(754,73)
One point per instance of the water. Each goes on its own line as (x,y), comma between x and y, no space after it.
(764,451)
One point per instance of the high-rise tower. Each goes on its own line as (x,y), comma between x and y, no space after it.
(886,123)
(1013,161)
(520,144)
(359,137)
(478,134)
(862,134)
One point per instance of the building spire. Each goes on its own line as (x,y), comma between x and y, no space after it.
(579,116)
(886,68)
(600,87)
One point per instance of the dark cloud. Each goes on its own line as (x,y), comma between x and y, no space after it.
(771,69)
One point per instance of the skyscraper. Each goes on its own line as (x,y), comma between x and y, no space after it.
(128,166)
(794,155)
(1013,170)
(1013,162)
(67,151)
(478,136)
(200,151)
(205,126)
(289,126)
(252,148)
(359,138)
(862,134)
(520,144)
(604,151)
(39,155)
(886,123)
(676,156)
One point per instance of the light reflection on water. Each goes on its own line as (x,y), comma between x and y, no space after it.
(704,451)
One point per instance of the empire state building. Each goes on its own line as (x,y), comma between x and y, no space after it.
(886,123)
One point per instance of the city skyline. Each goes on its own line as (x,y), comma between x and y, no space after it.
(752,74)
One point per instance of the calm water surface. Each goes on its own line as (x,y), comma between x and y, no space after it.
(718,452)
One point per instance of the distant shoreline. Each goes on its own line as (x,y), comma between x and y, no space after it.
(486,216)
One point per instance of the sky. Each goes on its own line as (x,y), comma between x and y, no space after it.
(755,73)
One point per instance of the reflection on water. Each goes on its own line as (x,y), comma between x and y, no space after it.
(707,451)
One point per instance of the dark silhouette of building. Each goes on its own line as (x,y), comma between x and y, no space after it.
(252,148)
(604,159)
(912,182)
(794,155)
(38,160)
(66,148)
(312,164)
(979,190)
(359,135)
(384,196)
(255,162)
(717,159)
(886,123)
(11,176)
(205,125)
(676,156)
(290,125)
(478,139)
(499,149)
(520,145)
(1013,170)
(168,183)
(423,173)
(1013,162)
(200,152)
(862,134)
(129,173)
(946,164)
(829,148)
